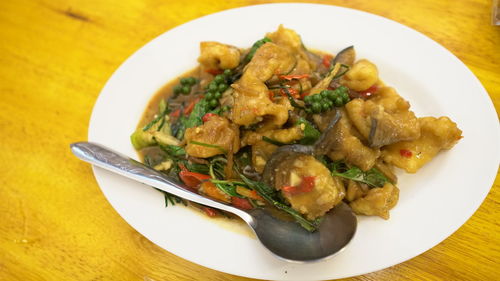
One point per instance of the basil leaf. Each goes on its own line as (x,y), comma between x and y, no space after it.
(199,110)
(372,177)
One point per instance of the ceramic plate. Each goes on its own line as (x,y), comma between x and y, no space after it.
(433,203)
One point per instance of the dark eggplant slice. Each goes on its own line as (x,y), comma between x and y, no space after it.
(382,132)
(322,146)
(284,154)
(346,56)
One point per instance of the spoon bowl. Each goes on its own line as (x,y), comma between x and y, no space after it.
(285,239)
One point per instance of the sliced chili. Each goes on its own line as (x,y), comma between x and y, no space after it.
(293,76)
(190,106)
(405,153)
(241,203)
(209,211)
(214,71)
(327,60)
(307,185)
(192,179)
(368,92)
(207,117)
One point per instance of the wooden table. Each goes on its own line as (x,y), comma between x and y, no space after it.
(55,56)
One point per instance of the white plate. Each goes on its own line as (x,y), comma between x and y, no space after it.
(433,203)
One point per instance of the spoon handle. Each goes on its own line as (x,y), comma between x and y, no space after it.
(108,159)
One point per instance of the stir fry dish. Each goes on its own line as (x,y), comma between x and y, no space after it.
(283,127)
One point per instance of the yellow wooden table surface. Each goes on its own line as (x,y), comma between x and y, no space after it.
(55,56)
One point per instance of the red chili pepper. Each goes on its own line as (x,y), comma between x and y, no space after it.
(303,95)
(214,71)
(289,189)
(209,211)
(294,76)
(256,196)
(307,185)
(271,95)
(207,117)
(368,92)
(405,153)
(176,113)
(192,179)
(241,203)
(327,60)
(294,93)
(190,106)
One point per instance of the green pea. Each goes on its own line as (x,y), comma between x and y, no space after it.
(212,87)
(186,90)
(308,99)
(223,87)
(226,108)
(338,102)
(191,81)
(325,106)
(316,98)
(217,95)
(316,107)
(184,81)
(227,72)
(209,96)
(177,89)
(219,78)
(213,103)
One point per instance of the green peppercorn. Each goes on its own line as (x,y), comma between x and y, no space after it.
(325,106)
(186,90)
(227,72)
(308,110)
(345,98)
(223,87)
(226,108)
(213,103)
(316,98)
(219,78)
(338,102)
(212,87)
(316,107)
(209,96)
(184,81)
(217,95)
(308,99)
(324,94)
(330,103)
(177,89)
(191,81)
(332,95)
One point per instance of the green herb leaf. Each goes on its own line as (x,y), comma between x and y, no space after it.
(372,177)
(173,151)
(311,134)
(268,194)
(199,110)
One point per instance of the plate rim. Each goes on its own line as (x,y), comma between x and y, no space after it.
(470,73)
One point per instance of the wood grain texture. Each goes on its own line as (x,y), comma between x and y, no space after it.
(55,56)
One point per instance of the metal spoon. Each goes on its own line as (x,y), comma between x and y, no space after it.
(285,239)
